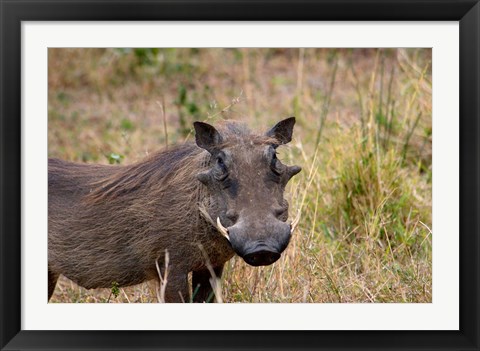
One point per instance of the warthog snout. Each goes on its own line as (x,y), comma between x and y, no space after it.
(259,243)
(261,258)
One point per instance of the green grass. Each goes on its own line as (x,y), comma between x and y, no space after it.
(363,138)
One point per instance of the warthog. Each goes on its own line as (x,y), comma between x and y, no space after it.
(201,203)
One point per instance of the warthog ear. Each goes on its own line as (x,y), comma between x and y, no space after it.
(206,136)
(282,131)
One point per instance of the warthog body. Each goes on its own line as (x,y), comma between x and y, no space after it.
(201,203)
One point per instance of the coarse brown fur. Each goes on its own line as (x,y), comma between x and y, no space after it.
(113,223)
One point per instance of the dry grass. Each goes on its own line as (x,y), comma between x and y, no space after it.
(363,137)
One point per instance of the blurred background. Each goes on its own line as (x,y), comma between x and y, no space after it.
(363,137)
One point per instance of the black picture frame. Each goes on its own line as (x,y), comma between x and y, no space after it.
(13,12)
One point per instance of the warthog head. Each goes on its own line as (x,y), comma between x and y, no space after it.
(246,182)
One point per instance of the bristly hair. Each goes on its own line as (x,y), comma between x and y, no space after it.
(152,170)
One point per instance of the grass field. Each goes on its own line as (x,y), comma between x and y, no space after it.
(363,138)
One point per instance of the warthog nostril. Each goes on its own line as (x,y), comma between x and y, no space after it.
(261,258)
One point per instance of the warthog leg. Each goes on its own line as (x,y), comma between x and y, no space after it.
(52,281)
(202,287)
(177,289)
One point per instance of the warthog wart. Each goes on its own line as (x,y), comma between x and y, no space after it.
(201,202)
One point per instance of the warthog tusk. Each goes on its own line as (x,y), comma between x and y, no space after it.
(294,223)
(222,229)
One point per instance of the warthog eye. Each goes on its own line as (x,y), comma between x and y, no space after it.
(277,167)
(220,172)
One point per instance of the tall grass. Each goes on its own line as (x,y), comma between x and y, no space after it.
(363,137)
